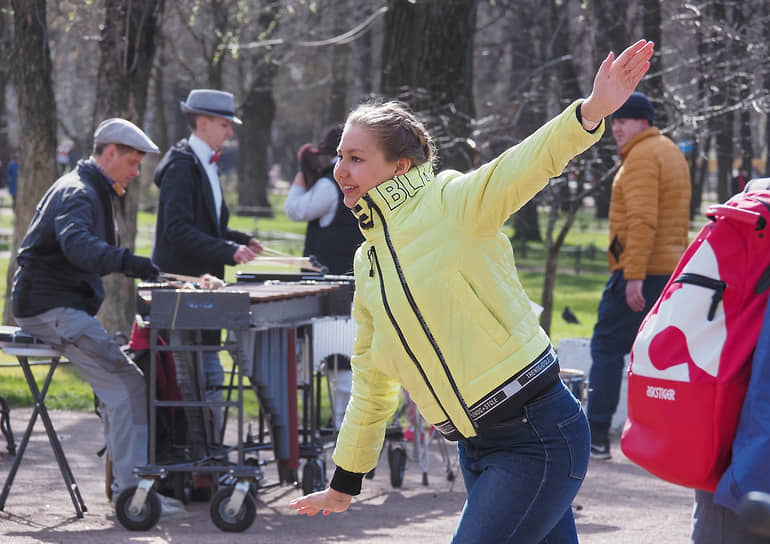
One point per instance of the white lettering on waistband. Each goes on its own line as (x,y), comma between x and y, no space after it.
(493,400)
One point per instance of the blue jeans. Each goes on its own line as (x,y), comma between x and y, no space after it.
(614,334)
(522,474)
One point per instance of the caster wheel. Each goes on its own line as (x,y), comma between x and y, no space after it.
(240,521)
(143,520)
(397,462)
(313,476)
(424,478)
(450,476)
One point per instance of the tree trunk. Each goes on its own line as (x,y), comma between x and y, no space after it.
(340,67)
(427,61)
(526,227)
(609,35)
(561,199)
(697,176)
(653,81)
(5,74)
(161,133)
(127,50)
(745,83)
(767,135)
(722,127)
(527,87)
(258,112)
(31,71)
(362,60)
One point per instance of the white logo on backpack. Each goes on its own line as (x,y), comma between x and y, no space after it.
(661,393)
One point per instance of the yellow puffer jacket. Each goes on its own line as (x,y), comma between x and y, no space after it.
(649,207)
(438,303)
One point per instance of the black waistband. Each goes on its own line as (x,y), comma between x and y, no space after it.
(508,400)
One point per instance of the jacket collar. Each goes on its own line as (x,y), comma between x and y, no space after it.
(642,135)
(390,195)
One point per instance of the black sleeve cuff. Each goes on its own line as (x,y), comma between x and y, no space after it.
(124,259)
(579,116)
(347,482)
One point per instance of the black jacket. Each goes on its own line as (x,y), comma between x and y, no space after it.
(335,244)
(188,238)
(70,243)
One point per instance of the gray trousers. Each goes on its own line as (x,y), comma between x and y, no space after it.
(715,524)
(115,379)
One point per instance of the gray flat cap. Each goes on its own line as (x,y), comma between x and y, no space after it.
(120,131)
(211,102)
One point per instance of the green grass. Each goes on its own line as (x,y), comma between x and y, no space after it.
(68,391)
(579,285)
(580,292)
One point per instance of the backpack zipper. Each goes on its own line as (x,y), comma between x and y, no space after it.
(418,315)
(718,286)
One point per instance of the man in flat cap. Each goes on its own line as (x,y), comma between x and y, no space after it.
(192,236)
(649,225)
(71,242)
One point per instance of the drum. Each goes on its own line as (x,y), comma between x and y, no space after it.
(575,380)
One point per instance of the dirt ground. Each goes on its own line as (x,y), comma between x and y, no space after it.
(618,503)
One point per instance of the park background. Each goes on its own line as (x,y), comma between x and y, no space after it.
(483,73)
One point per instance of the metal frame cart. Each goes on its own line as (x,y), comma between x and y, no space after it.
(233,507)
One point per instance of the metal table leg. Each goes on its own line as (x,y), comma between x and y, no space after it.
(5,426)
(39,397)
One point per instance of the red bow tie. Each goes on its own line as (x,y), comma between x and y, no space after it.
(215,157)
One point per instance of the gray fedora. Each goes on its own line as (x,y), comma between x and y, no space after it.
(210,102)
(119,131)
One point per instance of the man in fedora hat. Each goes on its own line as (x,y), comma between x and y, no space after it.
(192,235)
(70,244)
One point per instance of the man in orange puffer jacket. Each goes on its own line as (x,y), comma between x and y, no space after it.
(649,224)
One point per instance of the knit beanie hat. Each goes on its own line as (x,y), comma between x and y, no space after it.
(638,106)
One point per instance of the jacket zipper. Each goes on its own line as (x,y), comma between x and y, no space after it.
(418,315)
(373,261)
(718,286)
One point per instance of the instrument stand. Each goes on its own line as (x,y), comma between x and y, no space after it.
(22,353)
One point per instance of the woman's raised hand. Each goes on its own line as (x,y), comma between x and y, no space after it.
(616,80)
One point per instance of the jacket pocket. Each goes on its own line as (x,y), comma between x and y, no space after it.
(478,311)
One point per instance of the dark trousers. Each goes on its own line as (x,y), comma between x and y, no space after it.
(613,337)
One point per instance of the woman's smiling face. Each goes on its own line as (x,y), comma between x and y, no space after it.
(362,164)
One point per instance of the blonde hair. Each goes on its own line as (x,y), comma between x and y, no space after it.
(397,130)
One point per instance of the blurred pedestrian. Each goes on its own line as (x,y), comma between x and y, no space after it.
(649,227)
(13,175)
(332,234)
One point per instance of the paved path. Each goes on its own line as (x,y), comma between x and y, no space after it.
(619,503)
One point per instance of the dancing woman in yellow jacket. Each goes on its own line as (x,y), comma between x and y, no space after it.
(440,311)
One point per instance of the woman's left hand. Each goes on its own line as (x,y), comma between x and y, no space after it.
(616,80)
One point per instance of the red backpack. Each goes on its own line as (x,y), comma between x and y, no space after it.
(691,360)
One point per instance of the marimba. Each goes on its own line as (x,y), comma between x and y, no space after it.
(264,317)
